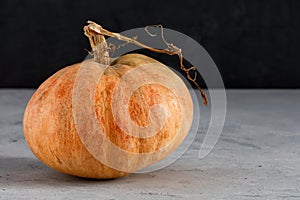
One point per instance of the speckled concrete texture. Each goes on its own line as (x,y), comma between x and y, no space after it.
(257,157)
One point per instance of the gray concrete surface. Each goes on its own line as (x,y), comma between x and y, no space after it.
(257,157)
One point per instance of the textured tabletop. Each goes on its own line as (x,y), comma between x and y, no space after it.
(256,157)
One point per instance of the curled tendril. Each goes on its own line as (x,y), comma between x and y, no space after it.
(171,47)
(112,48)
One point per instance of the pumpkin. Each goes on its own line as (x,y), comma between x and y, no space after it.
(106,119)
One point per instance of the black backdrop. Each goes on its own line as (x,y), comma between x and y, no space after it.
(255,44)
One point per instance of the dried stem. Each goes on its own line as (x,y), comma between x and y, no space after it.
(98,44)
(92,30)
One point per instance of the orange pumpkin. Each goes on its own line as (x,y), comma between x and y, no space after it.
(88,119)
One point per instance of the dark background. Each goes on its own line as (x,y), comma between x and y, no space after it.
(255,44)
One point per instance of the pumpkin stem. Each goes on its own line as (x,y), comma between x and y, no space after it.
(98,44)
(93,30)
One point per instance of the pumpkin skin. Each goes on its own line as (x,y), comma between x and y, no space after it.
(51,133)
